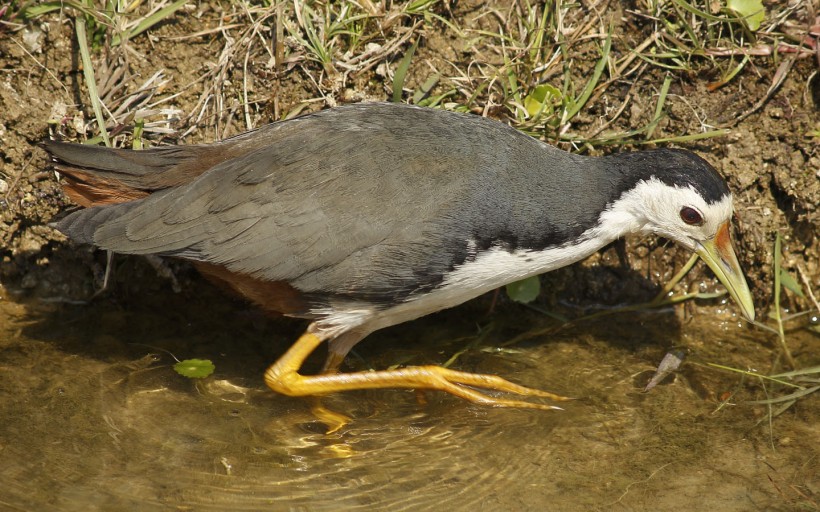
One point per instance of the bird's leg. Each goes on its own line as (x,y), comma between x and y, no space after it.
(337,350)
(283,377)
(163,270)
(339,347)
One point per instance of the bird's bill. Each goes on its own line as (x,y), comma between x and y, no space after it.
(719,255)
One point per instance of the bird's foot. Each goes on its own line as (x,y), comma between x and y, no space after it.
(283,377)
(334,421)
(462,384)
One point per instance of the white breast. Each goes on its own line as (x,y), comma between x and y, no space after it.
(487,271)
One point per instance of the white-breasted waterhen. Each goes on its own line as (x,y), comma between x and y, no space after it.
(364,216)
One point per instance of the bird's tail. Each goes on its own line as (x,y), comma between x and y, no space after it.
(96,175)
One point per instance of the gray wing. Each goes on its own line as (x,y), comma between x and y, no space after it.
(364,201)
(334,204)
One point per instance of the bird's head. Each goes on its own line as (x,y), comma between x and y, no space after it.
(684,199)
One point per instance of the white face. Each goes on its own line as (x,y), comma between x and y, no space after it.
(680,214)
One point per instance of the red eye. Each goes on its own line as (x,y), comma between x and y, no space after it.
(691,216)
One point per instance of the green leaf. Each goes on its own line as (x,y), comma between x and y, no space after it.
(790,283)
(750,10)
(541,99)
(524,291)
(195,368)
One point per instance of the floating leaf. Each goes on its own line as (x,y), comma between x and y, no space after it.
(524,291)
(195,368)
(750,10)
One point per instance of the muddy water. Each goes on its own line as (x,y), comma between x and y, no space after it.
(92,416)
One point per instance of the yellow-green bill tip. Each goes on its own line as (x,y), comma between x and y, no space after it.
(720,256)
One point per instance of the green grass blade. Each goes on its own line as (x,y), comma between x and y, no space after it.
(697,12)
(579,103)
(424,91)
(689,138)
(152,20)
(797,373)
(785,398)
(90,81)
(40,9)
(754,374)
(401,72)
(659,107)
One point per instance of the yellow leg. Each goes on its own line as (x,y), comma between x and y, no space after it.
(283,377)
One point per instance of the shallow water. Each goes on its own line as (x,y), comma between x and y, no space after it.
(94,417)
